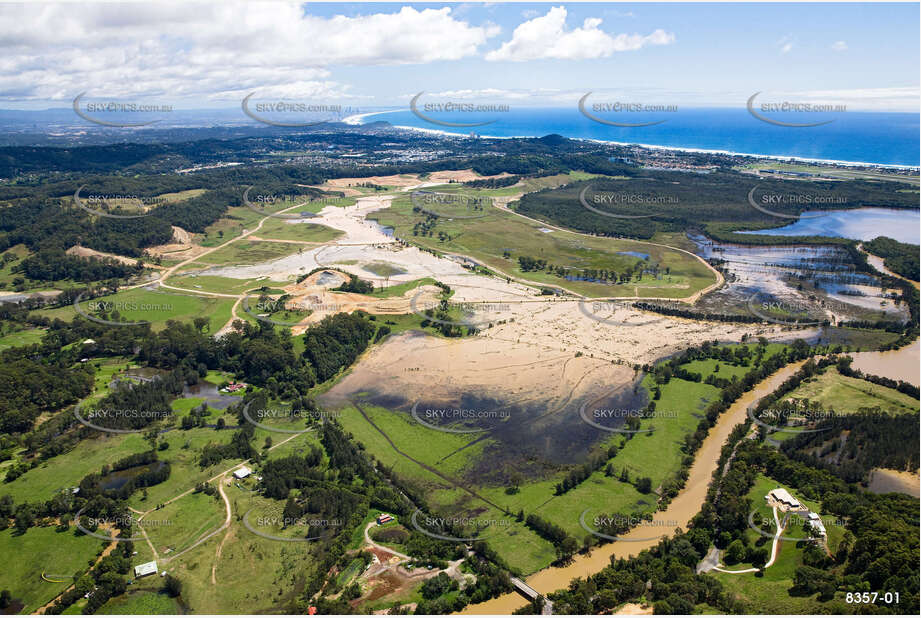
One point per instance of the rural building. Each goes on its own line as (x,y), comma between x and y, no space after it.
(148,568)
(784,500)
(242,472)
(233,387)
(384,518)
(815,522)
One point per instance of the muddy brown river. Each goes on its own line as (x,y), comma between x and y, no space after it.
(682,509)
(901,364)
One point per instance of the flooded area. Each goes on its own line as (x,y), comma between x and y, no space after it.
(525,397)
(681,509)
(901,364)
(857,224)
(212,396)
(822,278)
(692,496)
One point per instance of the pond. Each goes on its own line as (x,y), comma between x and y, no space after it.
(210,393)
(118,479)
(642,256)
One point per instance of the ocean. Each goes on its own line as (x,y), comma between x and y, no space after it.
(880,138)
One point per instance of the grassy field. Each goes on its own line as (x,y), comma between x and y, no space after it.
(155,307)
(844,394)
(43,550)
(211,283)
(279,229)
(21,337)
(655,454)
(248,252)
(402,288)
(178,525)
(235,221)
(489,238)
(10,281)
(770,593)
(66,470)
(141,602)
(251,572)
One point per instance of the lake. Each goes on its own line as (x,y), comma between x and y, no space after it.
(857,223)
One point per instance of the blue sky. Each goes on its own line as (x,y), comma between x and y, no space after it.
(380,54)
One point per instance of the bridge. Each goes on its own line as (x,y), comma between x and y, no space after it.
(531,594)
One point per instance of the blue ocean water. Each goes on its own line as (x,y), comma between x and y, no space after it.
(860,137)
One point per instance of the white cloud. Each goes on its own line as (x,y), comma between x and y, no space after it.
(215,50)
(890,99)
(547,37)
(839,46)
(785,43)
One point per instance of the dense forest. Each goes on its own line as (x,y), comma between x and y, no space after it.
(654,200)
(875,439)
(899,257)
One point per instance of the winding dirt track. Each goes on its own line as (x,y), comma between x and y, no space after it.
(108,550)
(370,541)
(170,271)
(226,524)
(774,545)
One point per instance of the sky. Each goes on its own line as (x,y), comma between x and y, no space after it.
(210,55)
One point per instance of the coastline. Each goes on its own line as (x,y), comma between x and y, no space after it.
(358,120)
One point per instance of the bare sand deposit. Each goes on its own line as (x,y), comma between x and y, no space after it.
(397,180)
(321,302)
(80,251)
(180,246)
(416,366)
(528,377)
(883,480)
(460,176)
(633,609)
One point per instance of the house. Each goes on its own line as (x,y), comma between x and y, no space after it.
(783,499)
(233,387)
(384,518)
(148,568)
(815,522)
(242,472)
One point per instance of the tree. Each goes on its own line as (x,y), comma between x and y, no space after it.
(644,484)
(758,556)
(25,517)
(568,547)
(172,586)
(735,553)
